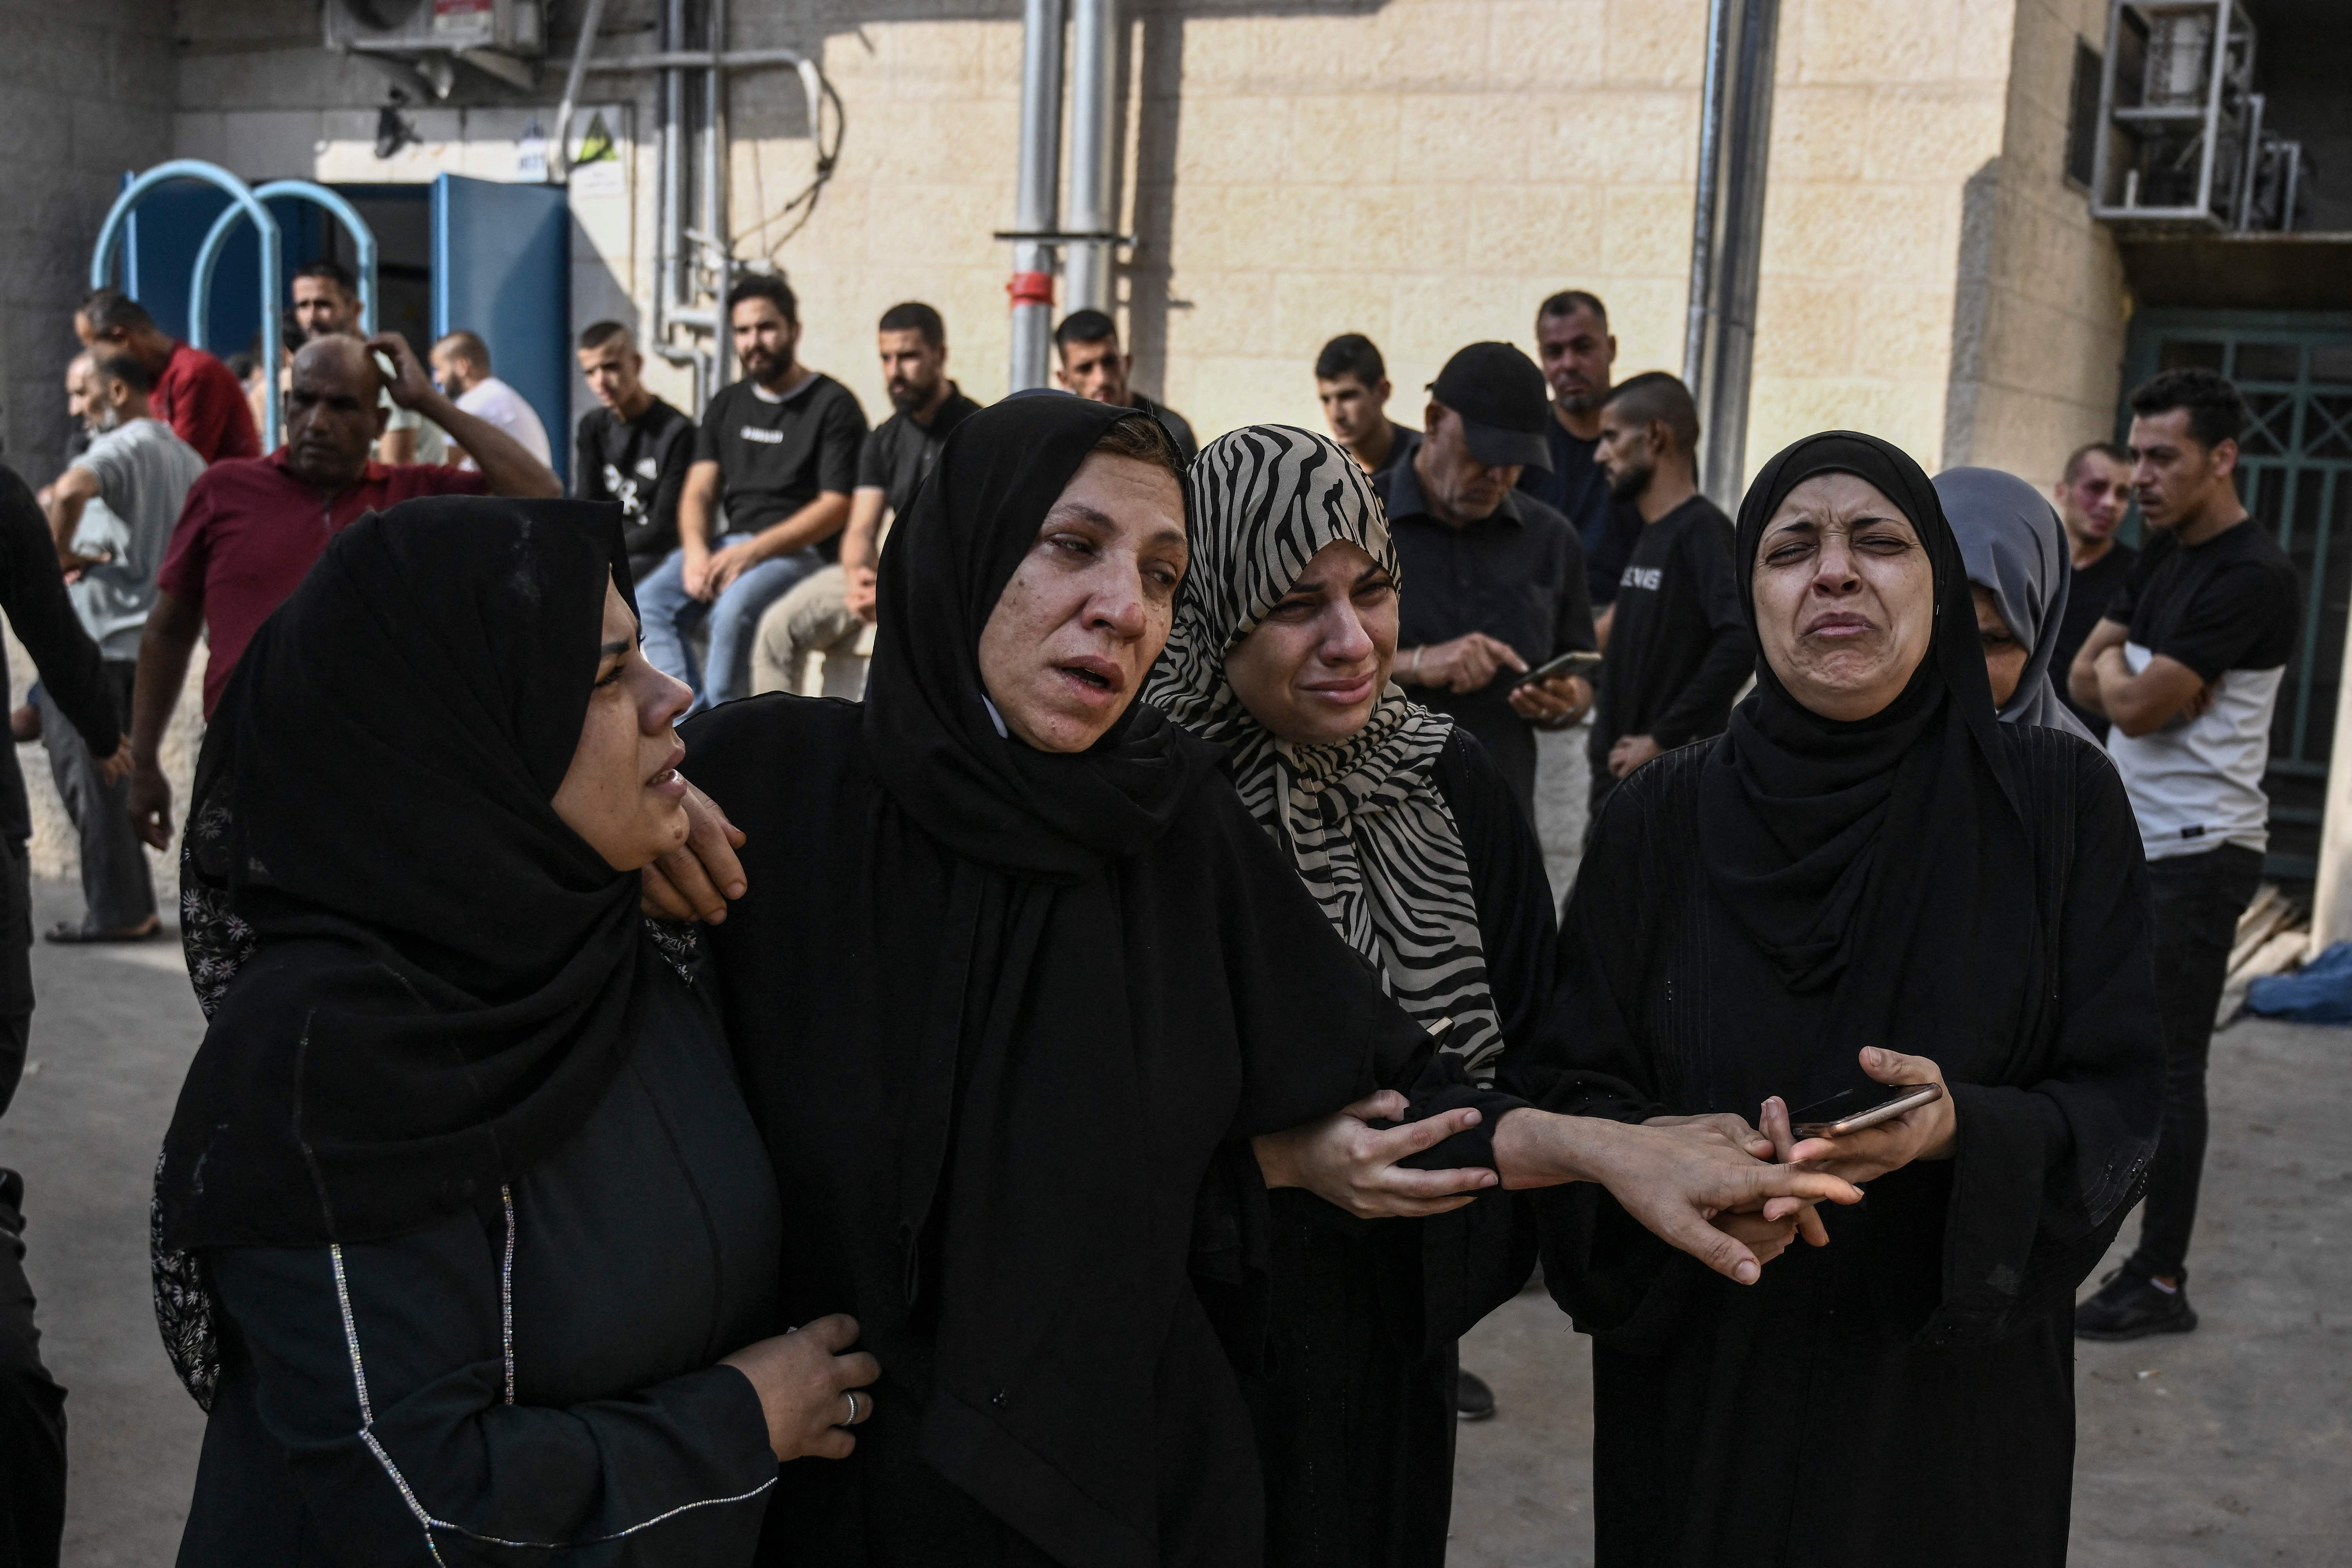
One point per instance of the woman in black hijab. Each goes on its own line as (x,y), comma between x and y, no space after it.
(1032,1014)
(1868,872)
(1015,982)
(461,1209)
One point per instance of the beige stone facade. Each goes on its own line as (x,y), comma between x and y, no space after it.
(1423,171)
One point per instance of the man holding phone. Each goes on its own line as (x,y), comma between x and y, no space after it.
(1679,646)
(1495,577)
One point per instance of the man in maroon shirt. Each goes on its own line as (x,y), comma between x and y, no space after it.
(194,394)
(251,529)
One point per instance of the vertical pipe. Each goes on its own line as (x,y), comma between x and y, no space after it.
(559,166)
(1094,98)
(1723,307)
(1037,201)
(1704,209)
(673,171)
(714,196)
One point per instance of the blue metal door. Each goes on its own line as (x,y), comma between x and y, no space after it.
(2295,474)
(502,268)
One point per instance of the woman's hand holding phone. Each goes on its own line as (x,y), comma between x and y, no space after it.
(1929,1132)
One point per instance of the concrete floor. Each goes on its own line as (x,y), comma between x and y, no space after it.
(2224,1447)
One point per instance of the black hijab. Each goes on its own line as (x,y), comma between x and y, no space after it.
(442,987)
(1007,1020)
(1850,852)
(937,748)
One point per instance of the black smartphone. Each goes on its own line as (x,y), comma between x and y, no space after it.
(1576,661)
(1859,1108)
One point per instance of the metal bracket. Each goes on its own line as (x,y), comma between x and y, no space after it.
(1067,236)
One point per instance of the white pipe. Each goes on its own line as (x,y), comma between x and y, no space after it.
(1703,210)
(1040,177)
(673,178)
(1094,98)
(714,192)
(559,164)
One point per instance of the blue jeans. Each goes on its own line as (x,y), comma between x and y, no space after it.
(671,613)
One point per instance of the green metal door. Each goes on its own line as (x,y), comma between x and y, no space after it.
(2295,474)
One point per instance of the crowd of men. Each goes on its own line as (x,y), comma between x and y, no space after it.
(1561,560)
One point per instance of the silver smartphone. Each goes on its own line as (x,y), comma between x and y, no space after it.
(1576,661)
(1853,1110)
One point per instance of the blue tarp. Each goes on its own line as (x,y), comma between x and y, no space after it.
(2319,993)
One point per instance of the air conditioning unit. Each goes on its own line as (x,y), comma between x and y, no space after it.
(497,36)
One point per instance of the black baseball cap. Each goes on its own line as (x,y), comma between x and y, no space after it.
(1502,401)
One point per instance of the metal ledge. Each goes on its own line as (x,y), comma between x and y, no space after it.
(2307,271)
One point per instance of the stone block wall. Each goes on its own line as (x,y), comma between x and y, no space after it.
(85,93)
(1882,111)
(2049,301)
(1423,171)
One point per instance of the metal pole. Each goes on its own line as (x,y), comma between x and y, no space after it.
(1720,22)
(714,197)
(559,165)
(1729,226)
(1040,175)
(1093,140)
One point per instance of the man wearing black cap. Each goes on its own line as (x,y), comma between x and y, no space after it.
(1494,578)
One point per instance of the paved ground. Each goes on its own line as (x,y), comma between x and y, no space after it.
(2225,1447)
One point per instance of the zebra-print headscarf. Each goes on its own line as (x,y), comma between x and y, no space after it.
(1362,820)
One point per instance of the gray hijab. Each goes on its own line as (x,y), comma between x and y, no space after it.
(2014,546)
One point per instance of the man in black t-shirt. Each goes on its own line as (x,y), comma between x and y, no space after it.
(1494,578)
(775,458)
(634,449)
(1093,366)
(1679,647)
(2186,663)
(2092,500)
(829,613)
(1577,353)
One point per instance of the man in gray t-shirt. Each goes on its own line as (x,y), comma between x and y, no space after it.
(111,515)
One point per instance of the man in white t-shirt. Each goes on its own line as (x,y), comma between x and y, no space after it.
(461,363)
(2186,663)
(111,514)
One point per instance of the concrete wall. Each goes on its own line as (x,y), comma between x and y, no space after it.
(1884,111)
(1423,171)
(85,93)
(2041,307)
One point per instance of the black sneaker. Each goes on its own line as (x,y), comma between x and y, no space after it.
(2129,1307)
(1473,1400)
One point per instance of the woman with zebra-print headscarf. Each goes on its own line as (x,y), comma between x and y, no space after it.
(1409,837)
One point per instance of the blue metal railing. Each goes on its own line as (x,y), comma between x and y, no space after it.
(241,196)
(200,287)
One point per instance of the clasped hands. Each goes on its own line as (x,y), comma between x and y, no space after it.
(1732,1195)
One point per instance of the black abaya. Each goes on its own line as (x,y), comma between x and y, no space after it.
(1925,1359)
(1355,1414)
(1752,912)
(460,1204)
(1006,1019)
